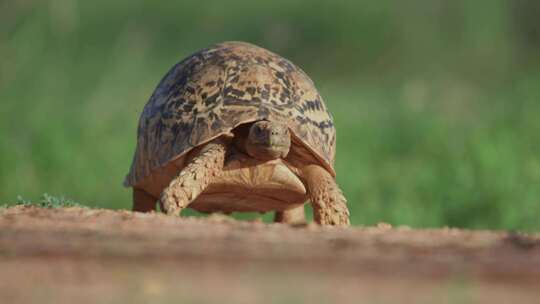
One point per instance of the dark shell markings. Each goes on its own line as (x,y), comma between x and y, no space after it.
(216,89)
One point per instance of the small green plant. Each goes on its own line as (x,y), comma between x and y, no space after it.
(49,201)
(22,201)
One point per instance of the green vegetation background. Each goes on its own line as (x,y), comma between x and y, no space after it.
(436,102)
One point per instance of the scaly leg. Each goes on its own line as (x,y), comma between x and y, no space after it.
(194,178)
(292,216)
(329,204)
(142,201)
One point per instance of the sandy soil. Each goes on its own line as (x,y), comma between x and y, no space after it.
(78,255)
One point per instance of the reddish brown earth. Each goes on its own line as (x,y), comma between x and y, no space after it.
(78,255)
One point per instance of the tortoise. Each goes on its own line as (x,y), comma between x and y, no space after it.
(233,128)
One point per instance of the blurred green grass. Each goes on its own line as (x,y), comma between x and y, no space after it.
(436,103)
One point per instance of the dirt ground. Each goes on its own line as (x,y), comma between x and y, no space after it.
(76,255)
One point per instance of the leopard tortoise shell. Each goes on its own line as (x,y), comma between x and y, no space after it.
(204,100)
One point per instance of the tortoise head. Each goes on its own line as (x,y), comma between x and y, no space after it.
(268,140)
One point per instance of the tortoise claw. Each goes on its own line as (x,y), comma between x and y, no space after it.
(170,203)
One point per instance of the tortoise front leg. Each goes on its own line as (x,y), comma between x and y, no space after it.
(329,204)
(194,178)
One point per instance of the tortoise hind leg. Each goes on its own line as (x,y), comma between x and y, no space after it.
(194,177)
(142,201)
(292,216)
(329,204)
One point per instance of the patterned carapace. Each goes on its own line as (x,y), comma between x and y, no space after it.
(216,89)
